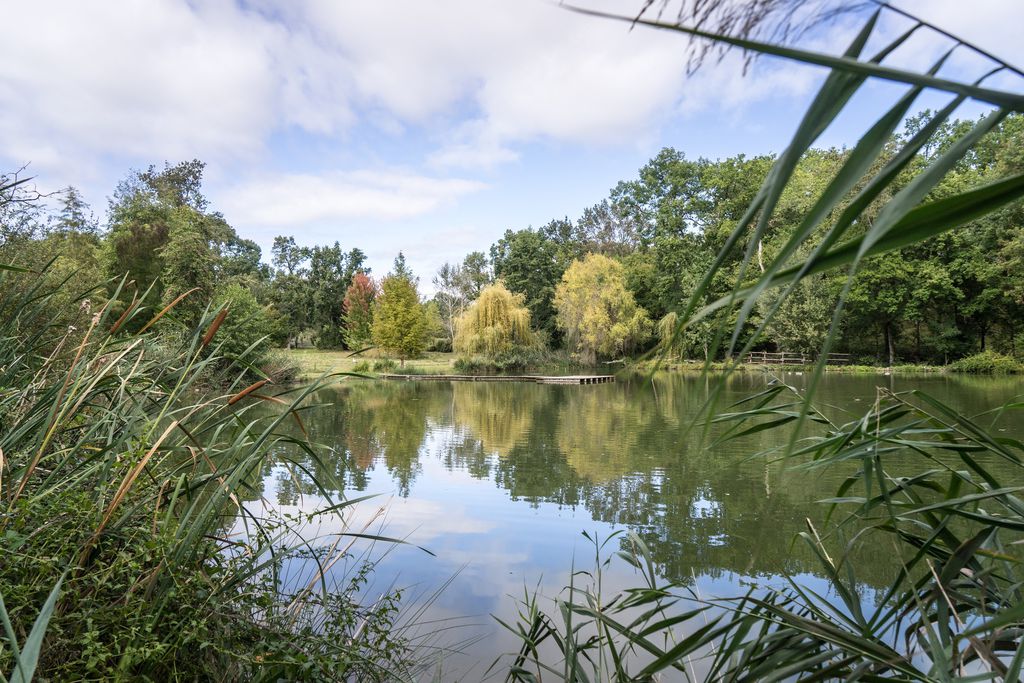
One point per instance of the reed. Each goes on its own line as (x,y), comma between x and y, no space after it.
(136,540)
(954,610)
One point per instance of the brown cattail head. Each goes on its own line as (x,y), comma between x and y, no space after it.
(245,392)
(214,326)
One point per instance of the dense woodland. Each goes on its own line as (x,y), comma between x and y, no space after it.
(607,284)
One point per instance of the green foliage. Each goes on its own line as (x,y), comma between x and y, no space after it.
(244,332)
(528,263)
(596,311)
(497,323)
(187,267)
(924,486)
(122,475)
(988,363)
(399,319)
(384,365)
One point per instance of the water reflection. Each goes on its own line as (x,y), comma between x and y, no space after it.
(504,477)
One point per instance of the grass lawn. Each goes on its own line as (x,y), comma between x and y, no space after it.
(314,362)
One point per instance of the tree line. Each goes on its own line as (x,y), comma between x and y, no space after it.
(610,283)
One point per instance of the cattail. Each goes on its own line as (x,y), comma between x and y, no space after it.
(214,326)
(167,308)
(245,392)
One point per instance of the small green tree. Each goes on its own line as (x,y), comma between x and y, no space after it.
(399,321)
(596,311)
(497,322)
(245,324)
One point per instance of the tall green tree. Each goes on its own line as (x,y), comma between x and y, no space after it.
(290,289)
(399,319)
(529,264)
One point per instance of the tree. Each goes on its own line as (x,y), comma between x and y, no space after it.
(802,321)
(290,289)
(528,263)
(400,269)
(399,321)
(75,215)
(457,286)
(359,299)
(245,325)
(327,285)
(596,311)
(474,275)
(449,299)
(496,323)
(287,255)
(187,266)
(879,296)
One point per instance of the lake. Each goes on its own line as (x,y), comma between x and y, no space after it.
(499,480)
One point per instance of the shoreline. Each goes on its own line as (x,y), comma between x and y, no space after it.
(311,363)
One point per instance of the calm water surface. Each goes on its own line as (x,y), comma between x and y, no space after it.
(500,480)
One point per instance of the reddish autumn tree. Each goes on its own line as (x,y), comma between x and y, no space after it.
(358,307)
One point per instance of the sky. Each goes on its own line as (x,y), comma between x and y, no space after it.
(425,127)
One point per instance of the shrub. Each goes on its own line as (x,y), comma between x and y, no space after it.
(471,365)
(384,365)
(987,363)
(280,367)
(361,366)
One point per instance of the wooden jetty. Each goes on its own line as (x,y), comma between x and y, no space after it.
(536,379)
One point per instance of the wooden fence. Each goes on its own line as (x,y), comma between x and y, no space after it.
(790,358)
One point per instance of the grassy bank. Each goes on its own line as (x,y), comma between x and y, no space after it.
(698,367)
(313,362)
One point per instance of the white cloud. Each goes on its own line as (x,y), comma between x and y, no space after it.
(152,79)
(146,80)
(295,199)
(131,82)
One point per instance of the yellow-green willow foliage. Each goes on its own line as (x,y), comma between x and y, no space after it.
(497,322)
(497,417)
(670,339)
(597,311)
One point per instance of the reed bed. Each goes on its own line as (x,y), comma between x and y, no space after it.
(128,464)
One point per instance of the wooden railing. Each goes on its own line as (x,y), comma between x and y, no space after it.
(790,358)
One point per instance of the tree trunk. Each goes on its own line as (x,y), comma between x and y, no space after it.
(889,344)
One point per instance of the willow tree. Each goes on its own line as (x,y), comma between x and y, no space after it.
(496,323)
(597,311)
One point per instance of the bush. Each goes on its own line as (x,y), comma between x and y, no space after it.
(245,329)
(361,366)
(987,363)
(384,365)
(513,360)
(280,367)
(471,365)
(440,344)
